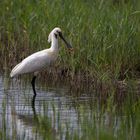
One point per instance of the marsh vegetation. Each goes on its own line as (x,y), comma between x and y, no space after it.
(91,93)
(104,34)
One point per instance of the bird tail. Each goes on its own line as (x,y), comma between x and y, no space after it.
(14,71)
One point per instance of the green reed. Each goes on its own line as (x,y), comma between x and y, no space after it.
(104,34)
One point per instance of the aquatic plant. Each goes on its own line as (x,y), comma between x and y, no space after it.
(104,34)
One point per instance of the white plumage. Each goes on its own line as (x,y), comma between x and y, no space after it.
(42,59)
(35,62)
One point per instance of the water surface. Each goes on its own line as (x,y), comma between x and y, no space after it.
(58,114)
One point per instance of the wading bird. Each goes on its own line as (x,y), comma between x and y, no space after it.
(42,59)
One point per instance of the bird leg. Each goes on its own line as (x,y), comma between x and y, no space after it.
(34,97)
(33,105)
(33,85)
(34,109)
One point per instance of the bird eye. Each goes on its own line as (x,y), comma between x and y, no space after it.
(58,32)
(55,36)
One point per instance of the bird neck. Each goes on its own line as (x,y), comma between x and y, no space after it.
(54,44)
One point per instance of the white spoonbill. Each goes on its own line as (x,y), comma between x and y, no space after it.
(42,59)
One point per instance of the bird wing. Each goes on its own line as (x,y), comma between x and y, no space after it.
(34,62)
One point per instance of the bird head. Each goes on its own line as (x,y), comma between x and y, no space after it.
(55,33)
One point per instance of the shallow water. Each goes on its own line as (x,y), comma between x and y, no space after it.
(57,114)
